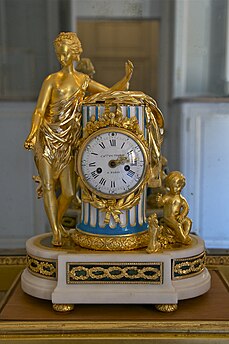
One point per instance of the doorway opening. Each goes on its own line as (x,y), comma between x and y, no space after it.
(109,44)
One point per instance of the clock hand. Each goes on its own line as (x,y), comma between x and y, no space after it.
(120,161)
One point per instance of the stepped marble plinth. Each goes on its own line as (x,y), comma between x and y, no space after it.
(74,275)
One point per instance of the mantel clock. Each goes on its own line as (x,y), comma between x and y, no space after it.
(116,157)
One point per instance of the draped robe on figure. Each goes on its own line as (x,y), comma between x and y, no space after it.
(59,130)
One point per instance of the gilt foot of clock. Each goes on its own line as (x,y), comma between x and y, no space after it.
(166,308)
(72,275)
(63,308)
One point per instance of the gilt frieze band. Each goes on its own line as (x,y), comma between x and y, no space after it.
(114,273)
(44,268)
(188,267)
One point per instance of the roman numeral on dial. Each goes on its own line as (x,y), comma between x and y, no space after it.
(102,181)
(113,143)
(134,162)
(92,164)
(113,184)
(102,145)
(130,173)
(94,174)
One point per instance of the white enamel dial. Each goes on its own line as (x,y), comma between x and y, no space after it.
(112,162)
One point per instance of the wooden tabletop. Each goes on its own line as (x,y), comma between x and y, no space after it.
(212,306)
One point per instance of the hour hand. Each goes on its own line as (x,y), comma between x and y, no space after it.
(120,161)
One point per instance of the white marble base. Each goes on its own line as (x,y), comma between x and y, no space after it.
(36,286)
(108,277)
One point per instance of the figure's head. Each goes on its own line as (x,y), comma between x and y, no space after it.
(175,181)
(68,46)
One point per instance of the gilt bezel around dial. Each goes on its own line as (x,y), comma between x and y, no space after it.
(130,171)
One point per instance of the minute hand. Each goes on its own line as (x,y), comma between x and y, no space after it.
(121,160)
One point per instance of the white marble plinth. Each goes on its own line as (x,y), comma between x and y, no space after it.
(72,275)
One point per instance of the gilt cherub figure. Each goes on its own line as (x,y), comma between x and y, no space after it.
(56,128)
(175,209)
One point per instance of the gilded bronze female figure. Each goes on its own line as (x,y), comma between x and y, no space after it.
(56,128)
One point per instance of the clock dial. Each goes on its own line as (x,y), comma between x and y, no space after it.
(112,162)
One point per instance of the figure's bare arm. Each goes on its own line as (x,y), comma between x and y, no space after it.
(122,85)
(38,114)
(184,209)
(96,87)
